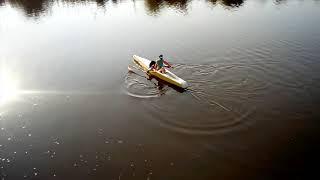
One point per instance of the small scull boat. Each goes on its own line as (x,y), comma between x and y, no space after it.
(167,76)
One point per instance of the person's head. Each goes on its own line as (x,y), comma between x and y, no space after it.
(161,56)
(152,63)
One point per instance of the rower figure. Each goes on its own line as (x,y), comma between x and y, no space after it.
(159,65)
(152,66)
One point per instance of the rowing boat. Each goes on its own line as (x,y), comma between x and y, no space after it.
(168,76)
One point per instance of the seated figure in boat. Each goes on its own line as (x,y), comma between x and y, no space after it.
(159,65)
(152,66)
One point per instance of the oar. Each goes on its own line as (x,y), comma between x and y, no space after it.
(130,69)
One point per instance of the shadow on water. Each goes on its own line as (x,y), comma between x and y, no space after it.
(162,84)
(36,8)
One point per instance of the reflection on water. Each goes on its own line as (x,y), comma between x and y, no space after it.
(228,3)
(37,8)
(154,6)
(30,8)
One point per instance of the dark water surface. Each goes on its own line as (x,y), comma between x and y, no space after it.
(69,108)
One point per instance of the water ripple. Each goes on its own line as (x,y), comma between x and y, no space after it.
(136,85)
(219,99)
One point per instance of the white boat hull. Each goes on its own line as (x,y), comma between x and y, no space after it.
(167,76)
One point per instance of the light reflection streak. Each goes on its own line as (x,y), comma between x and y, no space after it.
(61,92)
(11,91)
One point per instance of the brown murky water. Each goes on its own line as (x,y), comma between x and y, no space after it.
(69,108)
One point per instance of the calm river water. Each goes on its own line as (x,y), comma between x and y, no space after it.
(69,108)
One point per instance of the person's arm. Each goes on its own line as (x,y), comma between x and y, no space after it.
(150,69)
(167,64)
